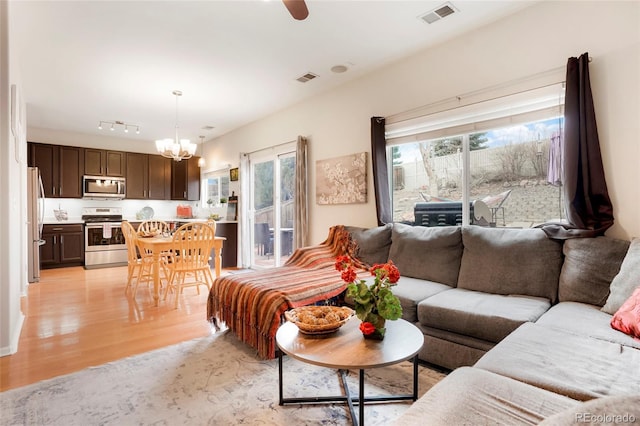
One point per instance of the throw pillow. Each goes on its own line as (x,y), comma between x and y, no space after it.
(373,243)
(427,253)
(627,319)
(627,279)
(590,264)
(510,261)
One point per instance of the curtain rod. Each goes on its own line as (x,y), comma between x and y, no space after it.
(418,111)
(269,148)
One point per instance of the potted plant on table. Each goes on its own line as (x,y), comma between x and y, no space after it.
(374,303)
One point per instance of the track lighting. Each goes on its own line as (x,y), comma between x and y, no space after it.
(119,123)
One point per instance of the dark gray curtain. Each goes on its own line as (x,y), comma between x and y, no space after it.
(380,171)
(587,203)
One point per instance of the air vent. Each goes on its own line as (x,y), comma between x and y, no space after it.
(208,127)
(308,76)
(438,13)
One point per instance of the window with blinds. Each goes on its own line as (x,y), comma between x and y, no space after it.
(494,162)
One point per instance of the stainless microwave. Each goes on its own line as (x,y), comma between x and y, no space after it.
(103,187)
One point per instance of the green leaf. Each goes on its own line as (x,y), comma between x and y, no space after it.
(389,305)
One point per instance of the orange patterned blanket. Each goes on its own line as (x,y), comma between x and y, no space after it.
(252,304)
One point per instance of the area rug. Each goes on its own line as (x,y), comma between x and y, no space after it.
(215,380)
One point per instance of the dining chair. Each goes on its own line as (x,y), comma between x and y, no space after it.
(139,266)
(150,225)
(188,261)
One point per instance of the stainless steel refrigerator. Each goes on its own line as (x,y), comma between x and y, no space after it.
(35,213)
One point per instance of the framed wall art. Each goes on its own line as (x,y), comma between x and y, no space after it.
(342,180)
(233,174)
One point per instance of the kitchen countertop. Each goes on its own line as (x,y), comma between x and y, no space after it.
(77,220)
(70,221)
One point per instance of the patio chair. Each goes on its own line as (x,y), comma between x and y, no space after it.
(495,204)
(263,239)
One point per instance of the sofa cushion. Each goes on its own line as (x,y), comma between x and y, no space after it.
(584,320)
(471,396)
(373,243)
(428,253)
(608,410)
(410,291)
(626,280)
(484,316)
(576,366)
(590,264)
(451,350)
(510,261)
(627,319)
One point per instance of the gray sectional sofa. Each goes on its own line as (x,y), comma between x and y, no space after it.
(522,320)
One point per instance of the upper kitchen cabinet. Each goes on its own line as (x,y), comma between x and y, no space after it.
(159,177)
(148,176)
(60,168)
(185,180)
(100,162)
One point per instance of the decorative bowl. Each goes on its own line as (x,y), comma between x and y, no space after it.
(319,319)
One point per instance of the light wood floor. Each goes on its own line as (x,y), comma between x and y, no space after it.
(76,318)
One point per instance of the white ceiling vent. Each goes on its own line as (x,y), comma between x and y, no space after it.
(438,13)
(308,76)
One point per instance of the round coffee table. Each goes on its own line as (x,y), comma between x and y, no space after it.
(348,349)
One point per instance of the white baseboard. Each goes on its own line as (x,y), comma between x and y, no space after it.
(15,337)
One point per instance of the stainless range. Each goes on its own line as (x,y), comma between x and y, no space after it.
(104,243)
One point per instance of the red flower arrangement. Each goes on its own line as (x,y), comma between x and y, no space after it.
(374,303)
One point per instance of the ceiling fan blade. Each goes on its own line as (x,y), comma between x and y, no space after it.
(297,9)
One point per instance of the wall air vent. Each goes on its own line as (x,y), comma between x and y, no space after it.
(308,76)
(438,13)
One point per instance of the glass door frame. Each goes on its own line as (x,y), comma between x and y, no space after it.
(275,157)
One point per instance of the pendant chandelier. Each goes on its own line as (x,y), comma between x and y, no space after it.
(177,149)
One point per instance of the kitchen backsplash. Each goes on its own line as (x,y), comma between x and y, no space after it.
(162,209)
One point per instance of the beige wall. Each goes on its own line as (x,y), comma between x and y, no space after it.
(13,263)
(535,40)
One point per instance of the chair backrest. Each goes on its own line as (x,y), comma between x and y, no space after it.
(262,233)
(496,201)
(153,224)
(131,240)
(192,244)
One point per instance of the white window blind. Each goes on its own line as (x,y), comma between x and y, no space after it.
(504,111)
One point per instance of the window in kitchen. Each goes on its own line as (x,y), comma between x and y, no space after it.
(492,163)
(215,186)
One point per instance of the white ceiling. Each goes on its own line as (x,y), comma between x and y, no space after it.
(234,61)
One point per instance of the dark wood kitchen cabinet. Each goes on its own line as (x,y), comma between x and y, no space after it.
(229,230)
(64,246)
(185,180)
(160,177)
(60,168)
(148,176)
(100,162)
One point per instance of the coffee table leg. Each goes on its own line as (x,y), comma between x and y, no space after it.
(347,394)
(280,399)
(415,378)
(361,395)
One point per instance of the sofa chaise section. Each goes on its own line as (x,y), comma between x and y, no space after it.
(471,396)
(580,367)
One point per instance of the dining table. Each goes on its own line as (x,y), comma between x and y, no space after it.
(158,244)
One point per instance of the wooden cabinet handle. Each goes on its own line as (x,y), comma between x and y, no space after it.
(57,229)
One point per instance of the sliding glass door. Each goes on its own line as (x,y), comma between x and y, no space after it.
(272,209)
